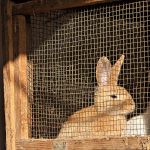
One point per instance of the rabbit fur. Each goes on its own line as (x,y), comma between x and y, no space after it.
(107,117)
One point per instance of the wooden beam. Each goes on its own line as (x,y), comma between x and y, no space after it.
(22,73)
(98,144)
(8,73)
(110,144)
(15,82)
(34,145)
(36,6)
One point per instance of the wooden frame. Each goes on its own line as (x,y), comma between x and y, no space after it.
(15,81)
(15,84)
(98,144)
(9,82)
(36,6)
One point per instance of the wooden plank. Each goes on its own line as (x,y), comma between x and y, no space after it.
(22,63)
(22,42)
(117,143)
(34,145)
(35,7)
(110,144)
(8,72)
(15,81)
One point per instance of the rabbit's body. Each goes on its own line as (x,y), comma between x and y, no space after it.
(98,126)
(108,114)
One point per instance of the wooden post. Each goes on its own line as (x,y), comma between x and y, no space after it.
(22,88)
(15,80)
(8,72)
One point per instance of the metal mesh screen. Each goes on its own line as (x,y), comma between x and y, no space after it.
(65,48)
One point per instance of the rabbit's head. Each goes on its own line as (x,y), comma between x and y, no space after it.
(109,97)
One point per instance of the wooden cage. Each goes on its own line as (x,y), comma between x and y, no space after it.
(17,112)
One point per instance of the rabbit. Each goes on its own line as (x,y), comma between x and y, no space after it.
(107,117)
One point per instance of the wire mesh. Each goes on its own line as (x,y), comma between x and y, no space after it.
(65,48)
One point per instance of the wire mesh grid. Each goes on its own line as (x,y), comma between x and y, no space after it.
(65,48)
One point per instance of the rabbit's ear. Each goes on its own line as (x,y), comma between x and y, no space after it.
(116,70)
(103,70)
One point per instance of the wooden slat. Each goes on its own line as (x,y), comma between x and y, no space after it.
(34,145)
(8,72)
(35,7)
(22,63)
(110,144)
(131,143)
(20,81)
(15,81)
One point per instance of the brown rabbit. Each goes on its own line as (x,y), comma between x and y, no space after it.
(107,116)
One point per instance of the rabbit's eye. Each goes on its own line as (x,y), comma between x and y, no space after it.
(113,96)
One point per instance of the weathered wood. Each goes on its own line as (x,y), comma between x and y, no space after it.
(8,72)
(112,143)
(20,81)
(34,145)
(91,144)
(22,72)
(15,81)
(35,7)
